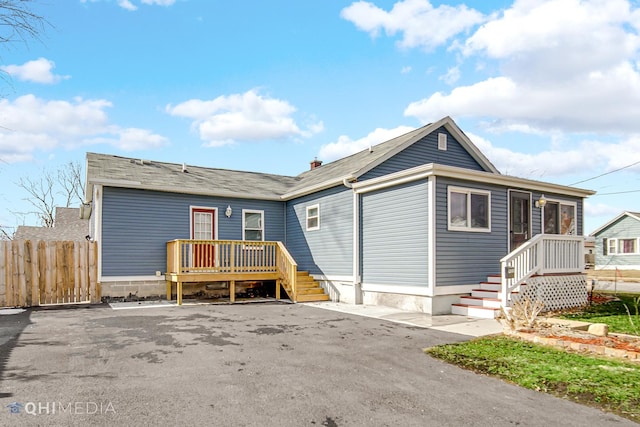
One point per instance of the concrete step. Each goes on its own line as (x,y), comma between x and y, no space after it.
(490,286)
(481,302)
(474,311)
(484,293)
(494,278)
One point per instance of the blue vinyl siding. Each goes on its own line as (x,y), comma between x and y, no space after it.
(464,258)
(329,250)
(426,151)
(625,228)
(137,225)
(394,232)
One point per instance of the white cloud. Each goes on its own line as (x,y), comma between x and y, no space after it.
(38,71)
(421,24)
(452,75)
(31,125)
(589,156)
(126,4)
(242,117)
(159,2)
(346,146)
(405,70)
(565,65)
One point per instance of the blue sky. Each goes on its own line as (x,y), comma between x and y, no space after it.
(548,90)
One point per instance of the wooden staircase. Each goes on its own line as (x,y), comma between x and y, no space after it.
(307,289)
(484,301)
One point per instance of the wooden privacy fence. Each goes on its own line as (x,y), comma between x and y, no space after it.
(33,273)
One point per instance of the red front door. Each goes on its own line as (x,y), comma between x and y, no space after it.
(203,228)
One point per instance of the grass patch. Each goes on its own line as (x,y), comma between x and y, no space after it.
(611,385)
(613,313)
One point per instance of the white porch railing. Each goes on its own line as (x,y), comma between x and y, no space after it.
(543,254)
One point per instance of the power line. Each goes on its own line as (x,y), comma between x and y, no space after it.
(606,173)
(617,192)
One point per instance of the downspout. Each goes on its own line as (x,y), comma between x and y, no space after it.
(357,285)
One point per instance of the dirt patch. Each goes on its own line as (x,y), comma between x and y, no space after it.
(625,347)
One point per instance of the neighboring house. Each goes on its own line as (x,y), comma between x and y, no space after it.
(413,222)
(67,225)
(617,243)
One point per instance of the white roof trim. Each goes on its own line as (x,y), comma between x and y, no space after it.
(432,169)
(625,213)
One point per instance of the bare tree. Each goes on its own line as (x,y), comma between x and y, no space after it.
(71,183)
(63,187)
(19,22)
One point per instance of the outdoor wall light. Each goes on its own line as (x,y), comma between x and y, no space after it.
(541,202)
(228,212)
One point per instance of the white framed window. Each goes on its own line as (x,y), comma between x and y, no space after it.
(442,141)
(622,246)
(559,218)
(313,217)
(469,209)
(252,225)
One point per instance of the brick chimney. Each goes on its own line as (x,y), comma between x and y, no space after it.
(316,163)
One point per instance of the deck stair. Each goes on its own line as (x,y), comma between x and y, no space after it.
(484,301)
(307,289)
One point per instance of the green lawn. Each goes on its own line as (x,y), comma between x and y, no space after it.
(613,313)
(605,383)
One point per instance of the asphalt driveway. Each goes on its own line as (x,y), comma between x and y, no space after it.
(254,365)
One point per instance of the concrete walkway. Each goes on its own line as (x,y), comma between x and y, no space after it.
(448,323)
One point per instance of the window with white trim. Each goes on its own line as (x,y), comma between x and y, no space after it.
(622,246)
(313,217)
(252,225)
(469,209)
(560,218)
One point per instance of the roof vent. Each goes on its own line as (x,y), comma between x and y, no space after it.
(184,168)
(371,148)
(142,162)
(316,163)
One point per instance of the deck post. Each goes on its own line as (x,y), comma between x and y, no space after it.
(278,290)
(168,290)
(232,291)
(179,293)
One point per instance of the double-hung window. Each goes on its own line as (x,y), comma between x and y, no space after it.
(313,217)
(253,225)
(469,209)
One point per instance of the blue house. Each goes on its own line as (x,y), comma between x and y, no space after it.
(415,222)
(617,243)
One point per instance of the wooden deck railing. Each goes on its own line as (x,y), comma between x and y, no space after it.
(543,254)
(229,257)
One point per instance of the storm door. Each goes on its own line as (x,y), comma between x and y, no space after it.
(520,218)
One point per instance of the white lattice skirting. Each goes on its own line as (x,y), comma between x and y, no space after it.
(556,292)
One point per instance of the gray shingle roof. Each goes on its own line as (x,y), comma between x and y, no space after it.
(134,173)
(126,172)
(67,226)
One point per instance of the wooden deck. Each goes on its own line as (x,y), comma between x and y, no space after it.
(200,261)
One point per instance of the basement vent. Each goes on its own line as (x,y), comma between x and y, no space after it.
(442,141)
